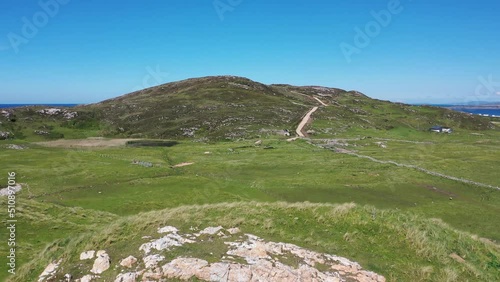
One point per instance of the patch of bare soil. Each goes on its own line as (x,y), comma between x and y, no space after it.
(440,191)
(182,164)
(457,258)
(86,143)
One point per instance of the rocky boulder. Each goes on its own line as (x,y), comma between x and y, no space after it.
(87,255)
(4,135)
(49,272)
(101,263)
(128,262)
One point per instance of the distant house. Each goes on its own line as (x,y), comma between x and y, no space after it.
(441,129)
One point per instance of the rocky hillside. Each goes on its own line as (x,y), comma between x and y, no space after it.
(222,107)
(226,108)
(292,242)
(239,257)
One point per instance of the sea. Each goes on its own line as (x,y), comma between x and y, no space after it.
(483,112)
(3,106)
(475,111)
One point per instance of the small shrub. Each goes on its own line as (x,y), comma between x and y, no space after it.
(494,262)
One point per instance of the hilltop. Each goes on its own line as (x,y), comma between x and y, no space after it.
(227,108)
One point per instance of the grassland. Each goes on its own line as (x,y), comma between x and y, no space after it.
(405,223)
(396,244)
(73,190)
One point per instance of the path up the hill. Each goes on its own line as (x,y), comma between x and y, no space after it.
(307,118)
(304,121)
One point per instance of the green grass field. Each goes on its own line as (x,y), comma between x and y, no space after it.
(72,191)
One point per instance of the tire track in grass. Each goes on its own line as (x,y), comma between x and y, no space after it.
(433,173)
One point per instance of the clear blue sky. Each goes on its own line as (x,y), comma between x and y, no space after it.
(87,51)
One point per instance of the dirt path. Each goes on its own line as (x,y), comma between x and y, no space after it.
(304,121)
(321,102)
(307,119)
(181,165)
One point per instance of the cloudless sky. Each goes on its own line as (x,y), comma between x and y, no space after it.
(82,51)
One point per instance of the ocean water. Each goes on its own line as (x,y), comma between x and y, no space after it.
(490,112)
(3,106)
(465,109)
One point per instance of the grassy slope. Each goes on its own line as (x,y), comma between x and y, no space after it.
(362,114)
(397,245)
(40,223)
(235,171)
(216,107)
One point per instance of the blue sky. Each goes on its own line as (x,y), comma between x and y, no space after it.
(75,51)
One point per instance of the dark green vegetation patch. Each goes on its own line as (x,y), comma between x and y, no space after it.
(151,143)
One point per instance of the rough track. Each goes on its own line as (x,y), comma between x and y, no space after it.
(433,173)
(307,118)
(304,121)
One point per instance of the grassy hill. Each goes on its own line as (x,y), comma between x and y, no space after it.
(211,107)
(397,245)
(229,108)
